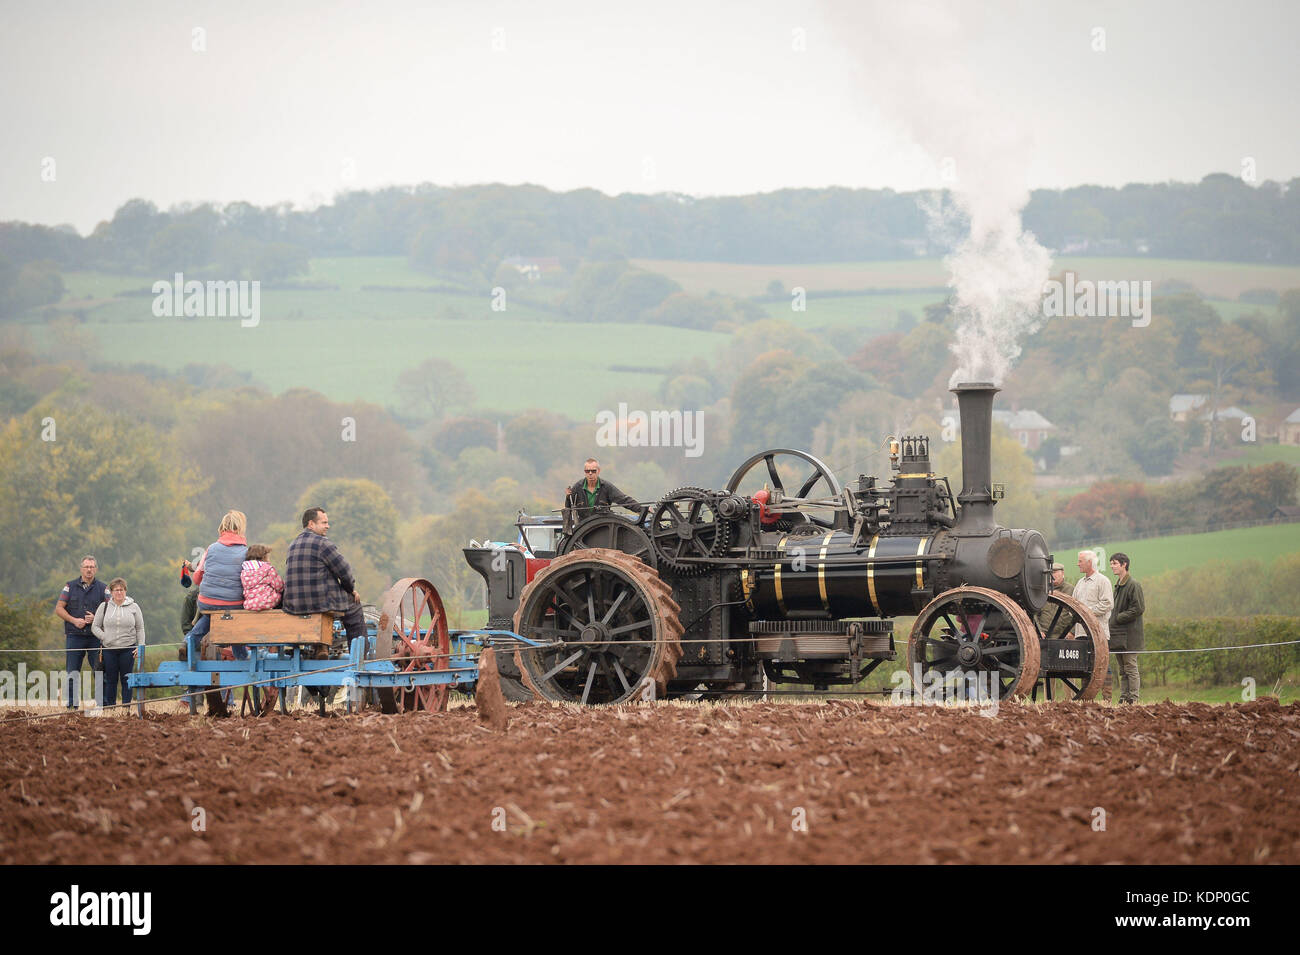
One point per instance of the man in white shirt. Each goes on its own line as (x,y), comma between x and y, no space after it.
(1095,592)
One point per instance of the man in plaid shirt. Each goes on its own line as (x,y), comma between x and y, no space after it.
(317,579)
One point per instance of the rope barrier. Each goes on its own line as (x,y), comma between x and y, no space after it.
(147,646)
(560,645)
(1245,646)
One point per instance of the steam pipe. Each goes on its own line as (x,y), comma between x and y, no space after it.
(975,405)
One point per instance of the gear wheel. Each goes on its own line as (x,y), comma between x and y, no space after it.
(686,524)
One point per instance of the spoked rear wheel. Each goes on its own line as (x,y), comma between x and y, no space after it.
(614,623)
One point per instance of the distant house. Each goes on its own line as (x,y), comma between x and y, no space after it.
(1027,426)
(1182,406)
(1231,413)
(1290,433)
(1231,416)
(533,267)
(1285,514)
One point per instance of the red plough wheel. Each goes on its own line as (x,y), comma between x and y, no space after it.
(413,635)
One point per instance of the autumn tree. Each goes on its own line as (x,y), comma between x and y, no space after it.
(536,436)
(260,453)
(484,514)
(1231,363)
(362,517)
(432,389)
(81,481)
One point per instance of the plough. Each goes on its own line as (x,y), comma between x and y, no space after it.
(408,660)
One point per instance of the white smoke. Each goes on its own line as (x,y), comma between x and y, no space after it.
(912,59)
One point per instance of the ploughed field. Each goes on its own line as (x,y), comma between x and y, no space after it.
(874,783)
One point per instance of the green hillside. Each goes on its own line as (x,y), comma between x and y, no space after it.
(878,313)
(347,352)
(352,344)
(1215,280)
(1159,554)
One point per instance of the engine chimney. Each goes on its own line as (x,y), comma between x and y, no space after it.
(975,405)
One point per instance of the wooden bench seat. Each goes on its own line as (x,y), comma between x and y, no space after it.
(229,627)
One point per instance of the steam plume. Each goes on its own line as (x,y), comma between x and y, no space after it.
(911,56)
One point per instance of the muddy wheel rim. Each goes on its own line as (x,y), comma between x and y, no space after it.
(616,623)
(975,632)
(1067,617)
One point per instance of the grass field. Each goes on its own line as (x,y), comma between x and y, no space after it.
(1288,691)
(514,363)
(747,280)
(877,313)
(1257,454)
(1159,554)
(1215,280)
(351,272)
(361,341)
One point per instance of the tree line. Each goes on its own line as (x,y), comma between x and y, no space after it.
(469,230)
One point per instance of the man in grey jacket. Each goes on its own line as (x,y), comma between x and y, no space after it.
(1094,591)
(119,625)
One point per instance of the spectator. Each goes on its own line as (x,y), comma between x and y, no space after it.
(317,579)
(218,576)
(263,588)
(1095,593)
(1052,625)
(78,601)
(119,625)
(1126,637)
(190,608)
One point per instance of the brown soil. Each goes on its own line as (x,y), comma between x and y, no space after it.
(662,783)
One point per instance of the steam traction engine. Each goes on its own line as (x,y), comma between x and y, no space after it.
(795,582)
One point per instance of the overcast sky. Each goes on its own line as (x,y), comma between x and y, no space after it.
(296,102)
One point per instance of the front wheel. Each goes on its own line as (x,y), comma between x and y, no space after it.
(977,637)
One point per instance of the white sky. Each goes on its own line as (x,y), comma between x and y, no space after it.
(696,97)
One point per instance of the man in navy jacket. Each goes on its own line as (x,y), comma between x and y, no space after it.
(76,607)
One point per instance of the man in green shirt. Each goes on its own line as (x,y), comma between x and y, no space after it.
(1126,627)
(592,494)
